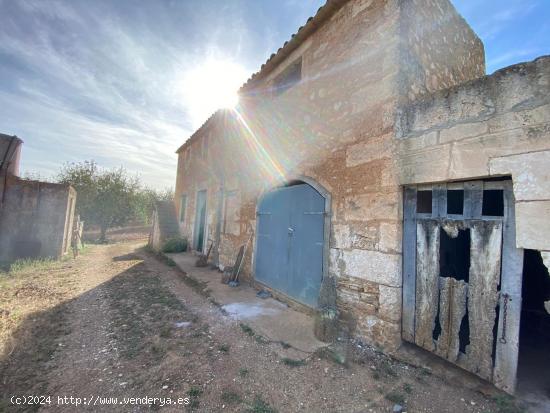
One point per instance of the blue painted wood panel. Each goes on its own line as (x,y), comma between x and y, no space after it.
(290,242)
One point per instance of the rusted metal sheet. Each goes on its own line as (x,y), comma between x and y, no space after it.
(427,282)
(485,253)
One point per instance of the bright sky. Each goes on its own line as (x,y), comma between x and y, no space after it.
(125,82)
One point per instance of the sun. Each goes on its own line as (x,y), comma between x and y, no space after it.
(211,85)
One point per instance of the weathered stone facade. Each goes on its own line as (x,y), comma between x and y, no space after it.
(361,61)
(497,125)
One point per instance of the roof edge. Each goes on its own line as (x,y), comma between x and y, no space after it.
(324,13)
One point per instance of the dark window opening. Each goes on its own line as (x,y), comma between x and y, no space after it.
(290,76)
(464,332)
(424,202)
(534,343)
(454,255)
(437,329)
(455,201)
(493,203)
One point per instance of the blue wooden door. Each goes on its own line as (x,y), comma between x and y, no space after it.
(290,242)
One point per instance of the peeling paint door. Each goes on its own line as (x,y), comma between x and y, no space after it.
(462,276)
(290,240)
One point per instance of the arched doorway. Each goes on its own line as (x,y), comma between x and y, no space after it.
(290,244)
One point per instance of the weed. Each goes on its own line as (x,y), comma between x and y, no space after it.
(395,397)
(331,355)
(261,339)
(292,362)
(224,348)
(247,329)
(166,331)
(231,397)
(507,404)
(285,345)
(243,372)
(260,406)
(376,375)
(194,392)
(177,244)
(408,388)
(387,368)
(425,372)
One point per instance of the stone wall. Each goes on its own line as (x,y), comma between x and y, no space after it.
(498,125)
(335,127)
(35,218)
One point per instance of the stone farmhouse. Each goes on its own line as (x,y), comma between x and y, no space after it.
(371,159)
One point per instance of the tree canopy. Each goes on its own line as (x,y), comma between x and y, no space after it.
(109,197)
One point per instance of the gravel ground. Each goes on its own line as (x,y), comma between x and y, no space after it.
(120,323)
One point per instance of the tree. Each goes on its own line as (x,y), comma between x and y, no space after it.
(106,198)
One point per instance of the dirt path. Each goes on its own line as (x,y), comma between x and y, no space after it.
(133,327)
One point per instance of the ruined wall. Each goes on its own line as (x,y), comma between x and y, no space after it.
(35,219)
(498,125)
(337,128)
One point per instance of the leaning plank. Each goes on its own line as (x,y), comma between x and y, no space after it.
(485,254)
(452,309)
(427,279)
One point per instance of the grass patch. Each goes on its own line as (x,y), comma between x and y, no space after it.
(408,388)
(231,397)
(387,368)
(507,404)
(260,406)
(293,362)
(243,372)
(330,354)
(395,397)
(27,265)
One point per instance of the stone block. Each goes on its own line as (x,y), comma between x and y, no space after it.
(463,131)
(419,142)
(533,225)
(341,237)
(390,237)
(530,173)
(373,266)
(428,165)
(372,149)
(389,300)
(372,206)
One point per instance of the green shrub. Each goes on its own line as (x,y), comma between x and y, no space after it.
(177,244)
